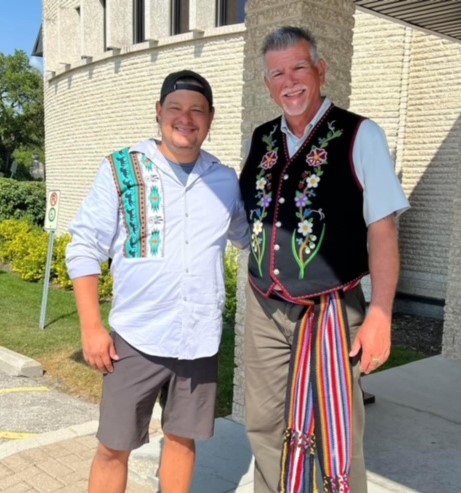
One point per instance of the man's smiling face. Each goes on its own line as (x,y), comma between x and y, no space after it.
(294,80)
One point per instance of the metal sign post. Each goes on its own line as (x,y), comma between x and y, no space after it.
(51,223)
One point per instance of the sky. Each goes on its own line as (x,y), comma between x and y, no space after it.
(20,22)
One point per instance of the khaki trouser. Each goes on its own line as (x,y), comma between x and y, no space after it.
(269,329)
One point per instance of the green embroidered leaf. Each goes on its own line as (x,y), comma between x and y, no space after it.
(295,254)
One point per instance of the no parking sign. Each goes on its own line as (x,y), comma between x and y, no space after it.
(51,223)
(52,205)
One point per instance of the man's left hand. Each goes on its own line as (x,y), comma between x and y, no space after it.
(374,340)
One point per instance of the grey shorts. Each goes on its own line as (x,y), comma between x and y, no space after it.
(129,393)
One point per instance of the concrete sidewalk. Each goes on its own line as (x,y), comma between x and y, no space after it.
(412,444)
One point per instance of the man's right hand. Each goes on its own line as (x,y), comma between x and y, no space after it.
(98,346)
(99,349)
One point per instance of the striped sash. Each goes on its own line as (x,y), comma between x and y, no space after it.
(319,402)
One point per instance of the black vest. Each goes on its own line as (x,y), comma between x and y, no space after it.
(308,235)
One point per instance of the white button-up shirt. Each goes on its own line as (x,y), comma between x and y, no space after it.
(168,304)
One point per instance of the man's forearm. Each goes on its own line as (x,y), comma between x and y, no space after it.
(384,263)
(87,298)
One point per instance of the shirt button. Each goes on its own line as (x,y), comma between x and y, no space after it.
(281,200)
(278,224)
(285,177)
(187,242)
(277,247)
(276,272)
(187,214)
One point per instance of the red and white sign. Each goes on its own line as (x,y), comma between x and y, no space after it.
(52,207)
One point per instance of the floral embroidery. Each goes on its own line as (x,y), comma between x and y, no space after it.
(305,244)
(317,156)
(264,198)
(257,227)
(269,159)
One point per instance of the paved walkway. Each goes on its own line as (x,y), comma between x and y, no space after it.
(412,444)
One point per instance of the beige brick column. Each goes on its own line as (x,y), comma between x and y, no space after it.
(451,343)
(332,23)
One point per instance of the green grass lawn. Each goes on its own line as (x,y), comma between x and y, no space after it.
(57,346)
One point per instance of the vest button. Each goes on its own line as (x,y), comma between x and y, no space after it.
(277,247)
(276,272)
(281,200)
(285,177)
(278,224)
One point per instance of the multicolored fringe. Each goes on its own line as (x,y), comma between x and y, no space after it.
(319,402)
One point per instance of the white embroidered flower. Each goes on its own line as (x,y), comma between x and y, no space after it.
(261,183)
(257,227)
(305,227)
(312,181)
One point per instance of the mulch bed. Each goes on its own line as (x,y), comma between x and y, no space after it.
(420,334)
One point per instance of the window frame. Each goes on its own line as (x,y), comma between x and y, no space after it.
(179,18)
(139,21)
(223,12)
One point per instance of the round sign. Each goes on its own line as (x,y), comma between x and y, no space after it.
(52,214)
(53,199)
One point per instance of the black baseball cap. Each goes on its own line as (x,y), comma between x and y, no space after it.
(181,80)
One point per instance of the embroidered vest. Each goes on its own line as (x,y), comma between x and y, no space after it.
(308,235)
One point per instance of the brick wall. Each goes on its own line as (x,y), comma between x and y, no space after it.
(410,83)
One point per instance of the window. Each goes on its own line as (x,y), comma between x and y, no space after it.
(138,21)
(104,24)
(179,16)
(230,12)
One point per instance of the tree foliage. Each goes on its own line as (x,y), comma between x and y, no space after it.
(21,106)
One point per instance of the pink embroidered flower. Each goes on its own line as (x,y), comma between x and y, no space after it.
(269,159)
(316,157)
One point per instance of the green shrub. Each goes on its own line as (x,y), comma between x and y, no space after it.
(105,282)
(58,266)
(9,230)
(24,246)
(30,249)
(22,200)
(230,270)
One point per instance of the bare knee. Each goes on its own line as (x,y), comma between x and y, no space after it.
(109,455)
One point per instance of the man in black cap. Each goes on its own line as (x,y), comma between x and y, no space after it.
(163,212)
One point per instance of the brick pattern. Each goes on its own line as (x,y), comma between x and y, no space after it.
(64,467)
(451,344)
(58,467)
(411,85)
